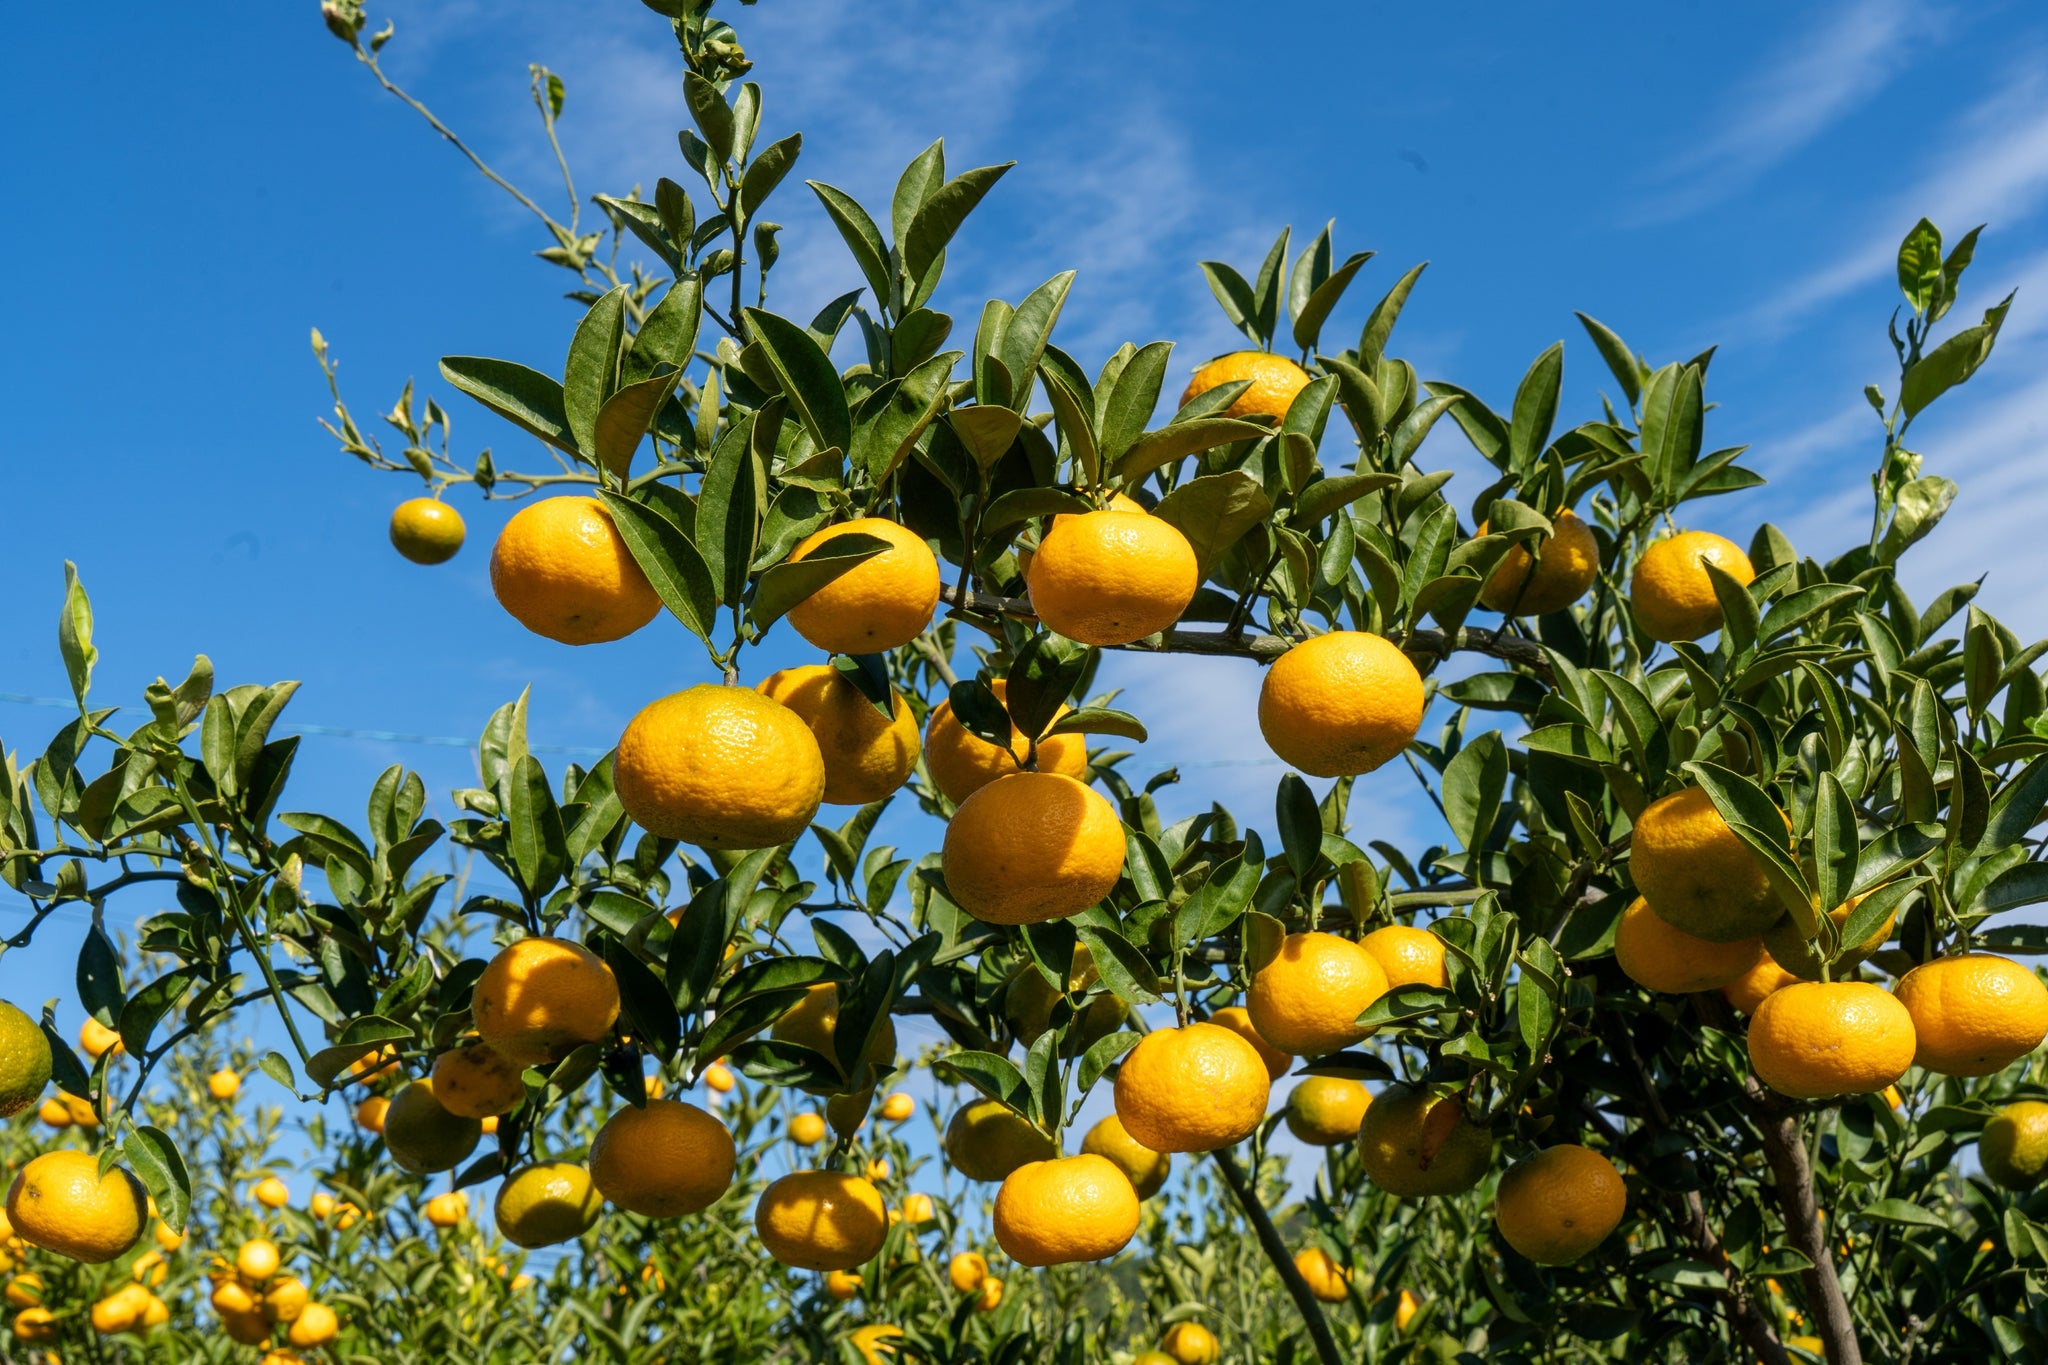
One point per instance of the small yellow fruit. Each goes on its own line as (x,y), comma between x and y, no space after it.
(821,1220)
(881,604)
(562,570)
(473,1081)
(1814,1040)
(718,1077)
(1341,704)
(224,1085)
(1238,1020)
(371,1112)
(1559,1204)
(1191,1089)
(1032,847)
(1326,1279)
(720,767)
(542,997)
(285,1299)
(1144,1168)
(316,1326)
(898,1107)
(1414,1144)
(448,1210)
(256,1261)
(662,1161)
(271,1193)
(991,1295)
(1408,955)
(1069,1209)
(1325,1111)
(2013,1148)
(1275,380)
(1659,957)
(842,1284)
(1110,578)
(1672,594)
(807,1129)
(426,530)
(867,755)
(986,1141)
(60,1202)
(961,762)
(1696,873)
(968,1271)
(422,1136)
(1563,567)
(1190,1343)
(546,1203)
(1308,998)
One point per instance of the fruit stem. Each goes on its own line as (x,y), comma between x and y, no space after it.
(1275,1248)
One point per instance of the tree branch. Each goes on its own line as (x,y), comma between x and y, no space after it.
(1785,1149)
(1438,644)
(1276,1251)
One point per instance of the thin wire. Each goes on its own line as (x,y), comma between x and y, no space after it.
(570,750)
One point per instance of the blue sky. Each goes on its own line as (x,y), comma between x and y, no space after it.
(1736,174)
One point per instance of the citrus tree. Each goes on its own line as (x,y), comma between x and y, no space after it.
(1679,1037)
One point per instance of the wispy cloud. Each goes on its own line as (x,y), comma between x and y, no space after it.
(1810,84)
(1997,173)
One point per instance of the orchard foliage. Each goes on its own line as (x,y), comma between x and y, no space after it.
(1857,743)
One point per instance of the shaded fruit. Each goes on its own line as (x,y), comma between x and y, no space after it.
(821,1220)
(24,1060)
(474,1081)
(1413,1143)
(1032,847)
(879,605)
(2013,1148)
(1557,574)
(1409,955)
(1029,999)
(986,1141)
(547,1203)
(540,998)
(1559,1204)
(961,762)
(867,755)
(663,1161)
(1238,1020)
(1325,1111)
(1658,957)
(1144,1168)
(1326,1278)
(813,1022)
(1801,957)
(426,530)
(424,1137)
(1696,873)
(1671,593)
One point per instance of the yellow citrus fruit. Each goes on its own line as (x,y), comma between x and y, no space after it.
(35,1324)
(991,1295)
(285,1299)
(371,1112)
(1144,1168)
(448,1210)
(1974,1013)
(664,1160)
(867,755)
(1340,704)
(917,1208)
(472,1080)
(872,1341)
(1812,1039)
(1747,991)
(807,1130)
(546,1203)
(1696,874)
(231,1297)
(25,1291)
(540,998)
(968,1271)
(1559,1204)
(1658,957)
(720,767)
(562,570)
(1408,955)
(250,1329)
(1275,382)
(1068,1209)
(1032,847)
(60,1202)
(813,1022)
(878,1169)
(1405,1309)
(1414,1144)
(1191,1089)
(1238,1020)
(97,1039)
(898,1107)
(1152,1358)
(1117,503)
(1324,1111)
(81,1110)
(422,1136)
(1108,578)
(1308,998)
(718,1077)
(150,1269)
(1029,999)
(426,530)
(821,1220)
(1190,1343)
(373,1067)
(223,1085)
(54,1113)
(876,606)
(1564,565)
(1326,1279)
(2013,1147)
(986,1141)
(120,1311)
(155,1312)
(1800,956)
(961,763)
(272,1193)
(1671,593)
(24,1060)
(842,1284)
(316,1326)
(256,1260)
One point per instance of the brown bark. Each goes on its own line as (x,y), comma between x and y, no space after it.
(1785,1149)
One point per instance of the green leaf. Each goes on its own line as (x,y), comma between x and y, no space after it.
(1673,426)
(160,1167)
(534,834)
(986,431)
(1379,324)
(1326,495)
(1042,676)
(1953,361)
(623,420)
(1030,326)
(2016,809)
(1789,613)
(1123,966)
(1535,409)
(1235,297)
(525,397)
(1022,504)
(1756,820)
(767,171)
(1214,512)
(807,376)
(1836,843)
(1180,440)
(1315,310)
(1621,362)
(74,635)
(1474,782)
(669,335)
(671,563)
(644,1006)
(99,977)
(1301,825)
(729,513)
(1125,405)
(782,586)
(1218,902)
(1920,265)
(1920,506)
(1100,720)
(1075,415)
(860,234)
(1900,1213)
(1099,1057)
(1268,287)
(940,215)
(592,374)
(711,114)
(994,1076)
